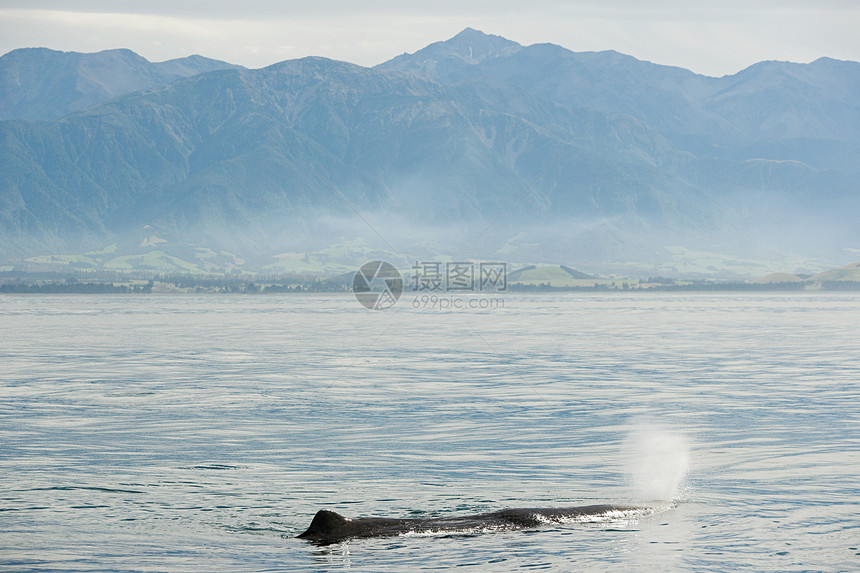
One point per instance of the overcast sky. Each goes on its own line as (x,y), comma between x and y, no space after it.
(696,35)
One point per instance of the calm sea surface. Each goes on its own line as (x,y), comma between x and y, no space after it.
(202,432)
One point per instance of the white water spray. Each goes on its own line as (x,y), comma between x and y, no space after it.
(658,458)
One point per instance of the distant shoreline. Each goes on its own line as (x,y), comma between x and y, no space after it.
(234,286)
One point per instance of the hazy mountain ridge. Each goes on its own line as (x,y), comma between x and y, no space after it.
(444,60)
(38,83)
(775,102)
(585,152)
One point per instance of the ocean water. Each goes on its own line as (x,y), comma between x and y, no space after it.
(202,432)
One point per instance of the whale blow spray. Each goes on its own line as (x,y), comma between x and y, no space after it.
(657,462)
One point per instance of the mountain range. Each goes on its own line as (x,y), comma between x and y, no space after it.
(475,147)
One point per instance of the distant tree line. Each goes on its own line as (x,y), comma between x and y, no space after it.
(269,285)
(73,288)
(547,287)
(840,285)
(730,286)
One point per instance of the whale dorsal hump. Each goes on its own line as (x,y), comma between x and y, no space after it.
(325,523)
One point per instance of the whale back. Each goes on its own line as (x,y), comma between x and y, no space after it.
(331,527)
(325,524)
